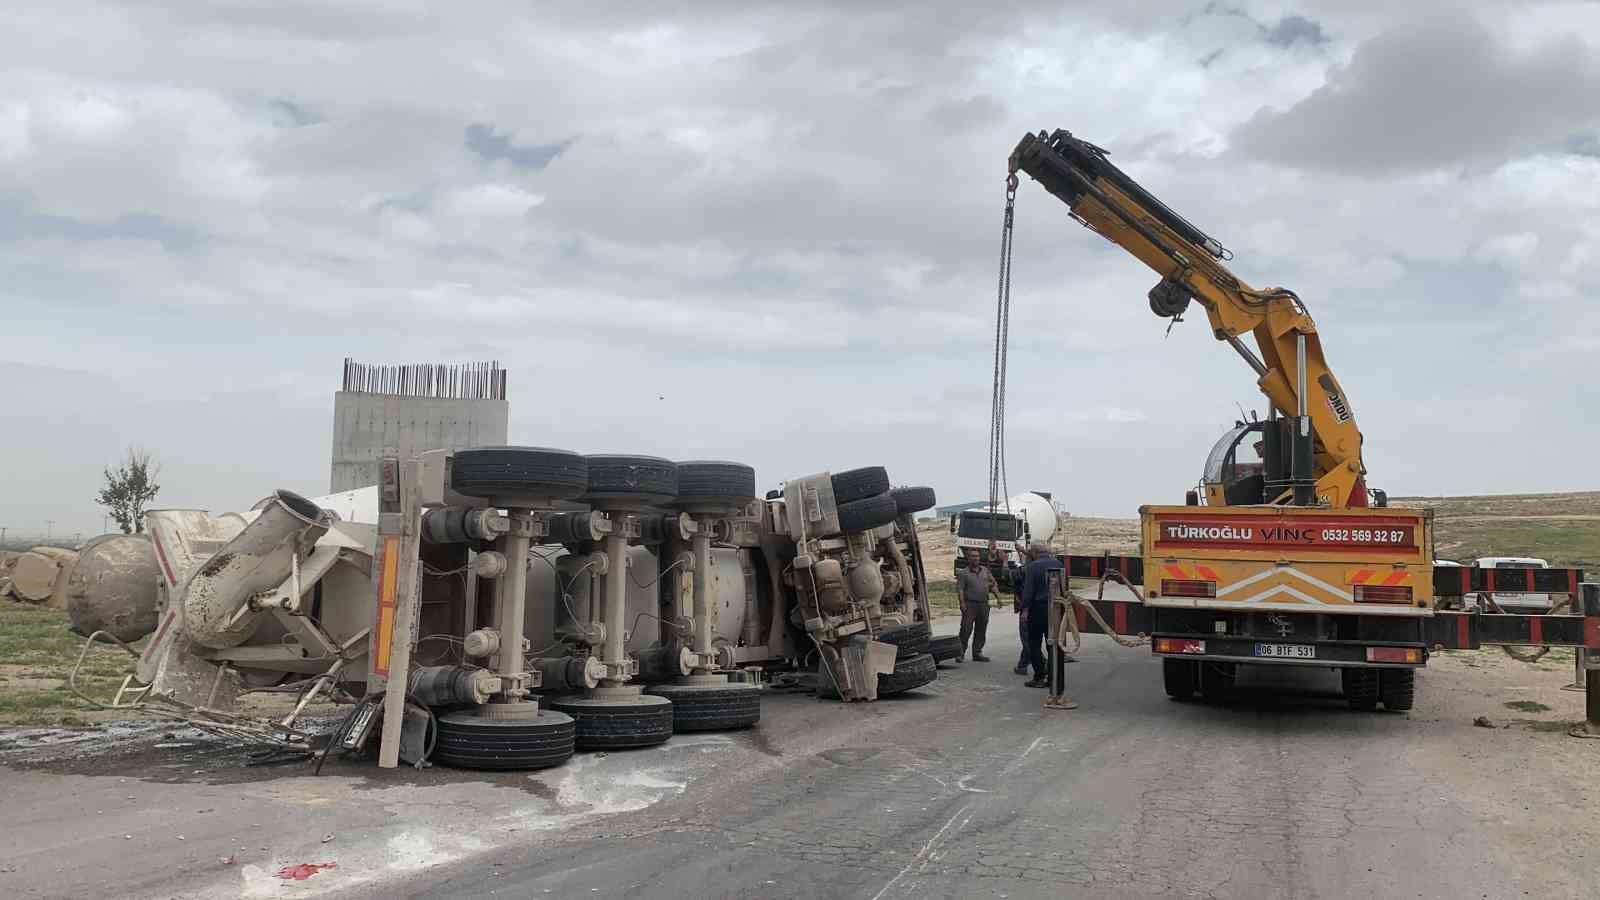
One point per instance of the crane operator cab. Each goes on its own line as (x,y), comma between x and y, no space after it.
(1250,465)
(1236,468)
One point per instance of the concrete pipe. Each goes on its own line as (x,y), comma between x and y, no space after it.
(113,587)
(34,577)
(59,554)
(258,559)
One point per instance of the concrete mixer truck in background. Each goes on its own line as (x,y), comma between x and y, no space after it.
(1009,527)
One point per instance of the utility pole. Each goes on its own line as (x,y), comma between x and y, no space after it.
(47,524)
(2,537)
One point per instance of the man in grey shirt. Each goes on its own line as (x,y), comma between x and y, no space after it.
(974,586)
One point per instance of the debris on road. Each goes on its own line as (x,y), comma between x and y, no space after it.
(1483,722)
(302,871)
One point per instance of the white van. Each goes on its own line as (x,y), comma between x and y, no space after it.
(1517,601)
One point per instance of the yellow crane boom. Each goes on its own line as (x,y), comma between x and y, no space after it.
(1289,364)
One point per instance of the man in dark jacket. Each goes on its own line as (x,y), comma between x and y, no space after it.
(1014,573)
(1036,607)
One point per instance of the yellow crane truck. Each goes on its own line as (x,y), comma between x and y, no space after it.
(1281,555)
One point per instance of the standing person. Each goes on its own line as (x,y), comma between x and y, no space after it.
(1036,607)
(1015,573)
(975,585)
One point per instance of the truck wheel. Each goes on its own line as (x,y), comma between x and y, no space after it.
(913,499)
(944,649)
(1216,681)
(1397,688)
(867,514)
(711,708)
(469,741)
(908,674)
(912,640)
(644,721)
(1360,688)
(642,479)
(1178,676)
(859,484)
(518,472)
(702,479)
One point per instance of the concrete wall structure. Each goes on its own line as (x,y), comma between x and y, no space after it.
(368,426)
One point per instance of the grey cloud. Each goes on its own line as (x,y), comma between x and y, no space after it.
(1285,32)
(18,224)
(978,111)
(307,18)
(1583,145)
(1423,98)
(491,145)
(796,200)
(1290,30)
(289,114)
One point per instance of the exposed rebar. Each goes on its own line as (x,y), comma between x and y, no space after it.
(472,381)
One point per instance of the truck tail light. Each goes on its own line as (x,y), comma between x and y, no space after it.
(1394,655)
(1179,645)
(1171,588)
(1374,593)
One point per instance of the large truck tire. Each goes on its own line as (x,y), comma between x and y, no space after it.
(649,480)
(867,514)
(518,472)
(911,640)
(859,484)
(697,708)
(704,479)
(1179,677)
(913,499)
(618,725)
(1397,688)
(1360,688)
(944,649)
(908,674)
(469,741)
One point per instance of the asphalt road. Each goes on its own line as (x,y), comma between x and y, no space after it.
(965,789)
(972,790)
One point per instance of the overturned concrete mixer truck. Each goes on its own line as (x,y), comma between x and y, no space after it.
(563,602)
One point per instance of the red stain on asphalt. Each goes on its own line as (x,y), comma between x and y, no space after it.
(304,870)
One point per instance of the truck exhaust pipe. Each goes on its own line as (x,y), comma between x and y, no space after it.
(216,598)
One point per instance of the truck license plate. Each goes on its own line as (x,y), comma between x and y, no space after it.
(1287,651)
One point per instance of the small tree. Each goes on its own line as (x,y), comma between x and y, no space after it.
(129,488)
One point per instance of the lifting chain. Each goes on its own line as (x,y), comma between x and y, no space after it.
(999,490)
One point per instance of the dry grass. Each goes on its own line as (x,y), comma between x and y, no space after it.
(36,655)
(1561,528)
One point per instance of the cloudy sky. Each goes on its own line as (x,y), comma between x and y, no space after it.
(769,232)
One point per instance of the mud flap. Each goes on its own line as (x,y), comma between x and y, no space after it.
(862,661)
(177,674)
